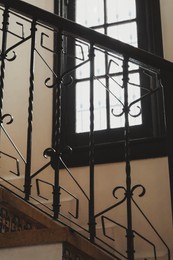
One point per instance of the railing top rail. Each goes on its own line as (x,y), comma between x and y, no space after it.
(88,35)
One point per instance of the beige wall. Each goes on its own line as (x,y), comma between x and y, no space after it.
(167,29)
(44,4)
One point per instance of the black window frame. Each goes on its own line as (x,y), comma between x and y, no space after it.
(144,143)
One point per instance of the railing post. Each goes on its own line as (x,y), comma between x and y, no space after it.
(4,44)
(91,148)
(167,82)
(27,185)
(130,234)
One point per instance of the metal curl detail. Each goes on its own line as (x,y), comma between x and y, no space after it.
(138,114)
(49,152)
(117,115)
(3,56)
(116,189)
(54,157)
(57,82)
(69,82)
(136,187)
(10,119)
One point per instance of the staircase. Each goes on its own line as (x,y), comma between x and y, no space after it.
(73,213)
(22,225)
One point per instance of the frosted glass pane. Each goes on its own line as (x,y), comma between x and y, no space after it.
(134,94)
(82,51)
(99,106)
(89,13)
(99,62)
(116,100)
(125,32)
(83,106)
(120,10)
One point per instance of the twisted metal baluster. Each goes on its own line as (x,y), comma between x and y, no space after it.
(130,235)
(4,45)
(57,130)
(91,148)
(27,185)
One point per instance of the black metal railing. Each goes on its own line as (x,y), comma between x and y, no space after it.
(33,26)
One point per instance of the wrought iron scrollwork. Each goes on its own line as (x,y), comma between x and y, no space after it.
(65,79)
(10,119)
(138,186)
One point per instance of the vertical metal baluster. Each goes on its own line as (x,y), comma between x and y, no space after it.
(130,235)
(4,44)
(57,130)
(91,148)
(27,185)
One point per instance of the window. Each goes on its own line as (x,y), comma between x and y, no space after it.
(136,23)
(118,21)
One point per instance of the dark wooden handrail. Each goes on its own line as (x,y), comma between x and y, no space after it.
(100,40)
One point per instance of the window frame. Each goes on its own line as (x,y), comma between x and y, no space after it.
(144,144)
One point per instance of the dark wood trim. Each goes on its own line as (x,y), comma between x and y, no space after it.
(114,152)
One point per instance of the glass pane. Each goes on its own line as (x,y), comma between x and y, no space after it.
(120,10)
(83,106)
(82,52)
(134,94)
(124,32)
(89,13)
(99,106)
(99,62)
(116,102)
(114,64)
